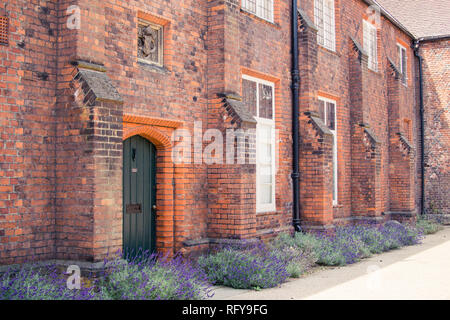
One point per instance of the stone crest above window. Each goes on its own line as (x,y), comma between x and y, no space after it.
(150,43)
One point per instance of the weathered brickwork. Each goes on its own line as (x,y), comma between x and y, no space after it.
(239,44)
(71,94)
(27,96)
(436,79)
(364,111)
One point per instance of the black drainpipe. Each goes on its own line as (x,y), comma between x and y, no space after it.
(295,121)
(422,128)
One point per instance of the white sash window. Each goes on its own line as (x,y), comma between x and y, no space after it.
(324,19)
(403,63)
(327,111)
(370,44)
(259,96)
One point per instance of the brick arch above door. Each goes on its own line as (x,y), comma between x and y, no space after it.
(158,138)
(155,130)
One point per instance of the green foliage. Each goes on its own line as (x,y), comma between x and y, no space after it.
(428,226)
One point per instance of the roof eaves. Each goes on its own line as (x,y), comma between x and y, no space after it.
(434,38)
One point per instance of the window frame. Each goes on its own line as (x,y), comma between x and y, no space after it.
(335,146)
(321,28)
(404,73)
(372,59)
(245,7)
(261,207)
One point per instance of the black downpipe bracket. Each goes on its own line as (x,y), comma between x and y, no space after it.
(422,128)
(295,119)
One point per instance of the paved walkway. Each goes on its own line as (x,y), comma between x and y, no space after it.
(416,272)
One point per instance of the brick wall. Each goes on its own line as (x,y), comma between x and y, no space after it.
(62,132)
(364,179)
(437,133)
(240,43)
(27,97)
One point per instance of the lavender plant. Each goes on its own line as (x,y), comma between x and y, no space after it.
(304,241)
(352,243)
(398,235)
(254,267)
(372,238)
(37,283)
(154,277)
(246,266)
(344,247)
(299,252)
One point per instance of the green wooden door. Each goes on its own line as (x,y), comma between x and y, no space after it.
(139,195)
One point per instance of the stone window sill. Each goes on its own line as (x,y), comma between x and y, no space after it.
(325,49)
(152,67)
(377,72)
(259,19)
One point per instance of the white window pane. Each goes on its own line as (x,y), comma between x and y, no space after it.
(334,190)
(265,194)
(322,110)
(374,48)
(331,109)
(261,8)
(332,34)
(327,112)
(335,168)
(370,44)
(264,133)
(324,18)
(318,20)
(404,65)
(265,154)
(249,5)
(328,23)
(265,101)
(266,174)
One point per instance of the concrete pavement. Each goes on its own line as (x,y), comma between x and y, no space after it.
(416,272)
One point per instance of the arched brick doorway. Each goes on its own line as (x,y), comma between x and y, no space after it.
(169,200)
(139,195)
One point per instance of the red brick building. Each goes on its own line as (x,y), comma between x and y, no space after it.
(429,25)
(95,97)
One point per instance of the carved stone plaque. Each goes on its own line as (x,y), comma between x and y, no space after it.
(150,42)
